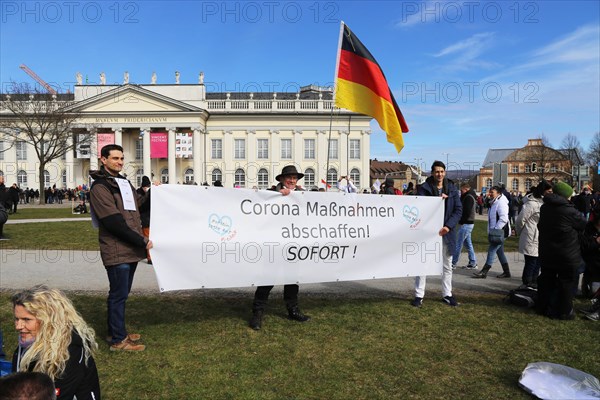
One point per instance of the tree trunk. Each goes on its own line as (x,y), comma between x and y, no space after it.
(41,184)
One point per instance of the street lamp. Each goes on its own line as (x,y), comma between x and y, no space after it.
(447,159)
(418,161)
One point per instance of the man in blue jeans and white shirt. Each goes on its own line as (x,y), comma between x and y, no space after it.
(468,199)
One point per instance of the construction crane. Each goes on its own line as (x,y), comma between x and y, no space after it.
(37,78)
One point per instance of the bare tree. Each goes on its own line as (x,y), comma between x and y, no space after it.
(593,158)
(573,147)
(40,120)
(593,154)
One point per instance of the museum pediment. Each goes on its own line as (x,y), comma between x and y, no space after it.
(132,98)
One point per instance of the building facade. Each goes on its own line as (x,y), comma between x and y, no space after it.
(179,133)
(526,167)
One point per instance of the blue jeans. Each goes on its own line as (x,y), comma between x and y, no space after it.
(494,249)
(120,278)
(464,237)
(531,270)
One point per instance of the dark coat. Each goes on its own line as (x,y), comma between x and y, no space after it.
(3,195)
(591,251)
(78,379)
(560,225)
(468,201)
(145,208)
(120,231)
(452,207)
(13,194)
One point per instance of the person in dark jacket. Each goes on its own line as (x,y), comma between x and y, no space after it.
(55,340)
(13,196)
(468,200)
(144,190)
(439,186)
(590,248)
(559,253)
(288,182)
(388,187)
(3,205)
(583,202)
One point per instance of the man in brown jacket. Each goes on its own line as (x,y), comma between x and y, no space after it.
(114,205)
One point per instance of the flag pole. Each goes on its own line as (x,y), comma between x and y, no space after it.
(348,150)
(337,66)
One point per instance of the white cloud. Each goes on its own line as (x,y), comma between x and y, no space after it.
(466,53)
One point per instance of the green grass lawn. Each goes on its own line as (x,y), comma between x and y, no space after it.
(200,347)
(46,212)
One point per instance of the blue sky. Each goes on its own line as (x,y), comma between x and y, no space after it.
(468,76)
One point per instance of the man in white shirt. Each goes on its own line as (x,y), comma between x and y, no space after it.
(349,187)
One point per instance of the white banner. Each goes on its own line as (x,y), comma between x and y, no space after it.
(210,237)
(183,145)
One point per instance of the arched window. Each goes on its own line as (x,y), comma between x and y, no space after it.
(138,177)
(216,175)
(515,184)
(488,183)
(64,179)
(309,178)
(46,178)
(22,178)
(164,175)
(188,176)
(240,178)
(332,177)
(528,184)
(263,178)
(355,176)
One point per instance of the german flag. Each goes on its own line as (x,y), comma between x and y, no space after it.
(360,86)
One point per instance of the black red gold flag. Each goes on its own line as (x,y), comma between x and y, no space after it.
(361,86)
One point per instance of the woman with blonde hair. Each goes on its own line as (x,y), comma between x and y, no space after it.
(54,339)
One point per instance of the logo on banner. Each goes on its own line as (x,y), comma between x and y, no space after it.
(221,226)
(411,214)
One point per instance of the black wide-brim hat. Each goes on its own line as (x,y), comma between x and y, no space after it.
(289,170)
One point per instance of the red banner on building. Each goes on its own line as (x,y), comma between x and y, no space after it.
(159,145)
(104,139)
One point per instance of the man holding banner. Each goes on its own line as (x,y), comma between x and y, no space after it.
(438,185)
(288,182)
(114,207)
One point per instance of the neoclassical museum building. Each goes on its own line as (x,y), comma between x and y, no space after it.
(180,133)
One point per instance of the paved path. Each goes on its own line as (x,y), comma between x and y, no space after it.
(76,270)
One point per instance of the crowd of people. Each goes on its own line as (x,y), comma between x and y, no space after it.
(559,236)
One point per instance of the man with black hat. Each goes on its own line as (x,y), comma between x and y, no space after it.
(288,182)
